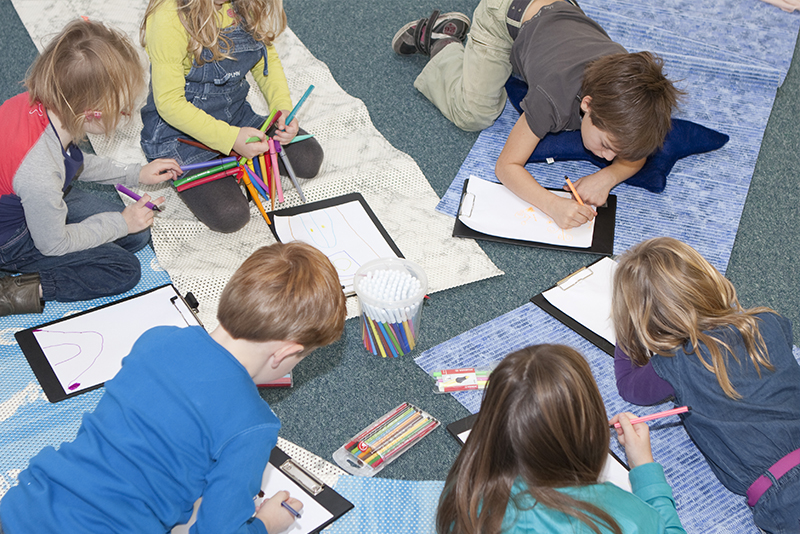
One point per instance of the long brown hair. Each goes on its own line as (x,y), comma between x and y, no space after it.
(542,420)
(263,19)
(666,294)
(87,67)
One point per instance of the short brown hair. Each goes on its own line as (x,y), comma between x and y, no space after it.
(88,66)
(666,294)
(542,419)
(284,292)
(632,101)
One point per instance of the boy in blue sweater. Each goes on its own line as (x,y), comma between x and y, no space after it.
(183,418)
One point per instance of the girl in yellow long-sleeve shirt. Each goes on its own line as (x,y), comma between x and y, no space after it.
(200,52)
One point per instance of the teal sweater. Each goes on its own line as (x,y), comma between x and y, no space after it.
(650,509)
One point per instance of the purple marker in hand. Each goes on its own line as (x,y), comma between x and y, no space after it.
(122,189)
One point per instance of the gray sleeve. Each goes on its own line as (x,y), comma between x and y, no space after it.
(38,183)
(105,171)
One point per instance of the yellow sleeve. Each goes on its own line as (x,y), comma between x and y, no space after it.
(273,86)
(167,40)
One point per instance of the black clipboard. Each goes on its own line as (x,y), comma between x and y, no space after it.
(602,241)
(462,425)
(596,339)
(43,368)
(312,486)
(330,202)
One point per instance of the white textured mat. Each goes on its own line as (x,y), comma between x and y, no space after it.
(357,158)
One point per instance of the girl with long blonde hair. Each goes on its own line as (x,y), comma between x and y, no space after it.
(681,332)
(532,460)
(200,52)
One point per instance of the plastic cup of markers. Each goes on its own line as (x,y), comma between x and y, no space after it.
(391,291)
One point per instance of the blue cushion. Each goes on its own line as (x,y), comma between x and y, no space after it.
(684,139)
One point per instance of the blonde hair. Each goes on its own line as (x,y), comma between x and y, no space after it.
(265,20)
(87,67)
(666,294)
(284,292)
(542,419)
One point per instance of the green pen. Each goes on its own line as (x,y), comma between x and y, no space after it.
(273,116)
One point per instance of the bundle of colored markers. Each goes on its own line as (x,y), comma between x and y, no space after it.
(261,175)
(384,440)
(391,305)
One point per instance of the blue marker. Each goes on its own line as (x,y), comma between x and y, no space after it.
(291,510)
(299,103)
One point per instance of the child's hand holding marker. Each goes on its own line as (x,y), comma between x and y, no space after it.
(634,437)
(248,149)
(286,132)
(276,516)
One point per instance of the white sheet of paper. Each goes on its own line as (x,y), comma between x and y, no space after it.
(87,350)
(499,212)
(586,297)
(612,471)
(345,233)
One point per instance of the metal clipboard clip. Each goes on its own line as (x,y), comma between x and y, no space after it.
(572,280)
(467,205)
(305,479)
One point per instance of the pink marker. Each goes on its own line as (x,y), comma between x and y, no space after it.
(276,173)
(659,415)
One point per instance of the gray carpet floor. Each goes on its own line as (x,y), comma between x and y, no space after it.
(340,389)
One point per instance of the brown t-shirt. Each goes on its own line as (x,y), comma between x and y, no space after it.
(550,54)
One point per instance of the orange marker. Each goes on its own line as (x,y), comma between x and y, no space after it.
(574,192)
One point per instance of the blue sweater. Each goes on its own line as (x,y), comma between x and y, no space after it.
(182,419)
(649,510)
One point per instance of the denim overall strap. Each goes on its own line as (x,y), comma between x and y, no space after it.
(217,87)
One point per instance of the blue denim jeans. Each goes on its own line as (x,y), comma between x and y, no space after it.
(778,510)
(106,270)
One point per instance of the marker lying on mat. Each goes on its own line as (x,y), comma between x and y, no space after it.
(659,415)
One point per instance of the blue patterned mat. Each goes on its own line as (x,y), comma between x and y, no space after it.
(704,505)
(730,57)
(385,505)
(28,421)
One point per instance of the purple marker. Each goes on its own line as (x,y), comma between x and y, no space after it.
(74,386)
(209,163)
(122,189)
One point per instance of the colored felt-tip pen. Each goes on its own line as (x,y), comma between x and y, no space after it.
(659,415)
(574,191)
(124,190)
(291,510)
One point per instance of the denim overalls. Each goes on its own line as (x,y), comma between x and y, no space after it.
(217,87)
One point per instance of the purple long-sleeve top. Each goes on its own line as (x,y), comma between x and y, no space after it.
(639,384)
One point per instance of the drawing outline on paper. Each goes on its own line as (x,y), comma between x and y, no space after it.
(344,233)
(86,347)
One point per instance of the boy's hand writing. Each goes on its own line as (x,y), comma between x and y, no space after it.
(285,132)
(594,188)
(159,170)
(250,150)
(568,213)
(275,517)
(138,216)
(635,439)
